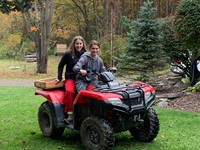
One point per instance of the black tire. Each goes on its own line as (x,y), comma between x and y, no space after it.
(149,130)
(96,134)
(46,123)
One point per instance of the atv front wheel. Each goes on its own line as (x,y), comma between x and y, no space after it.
(149,130)
(46,123)
(96,134)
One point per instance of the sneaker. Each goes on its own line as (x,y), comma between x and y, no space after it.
(70,117)
(66,122)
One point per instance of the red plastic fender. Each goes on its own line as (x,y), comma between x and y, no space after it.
(145,87)
(84,96)
(54,96)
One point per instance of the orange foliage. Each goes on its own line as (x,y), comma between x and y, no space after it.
(13,21)
(34,29)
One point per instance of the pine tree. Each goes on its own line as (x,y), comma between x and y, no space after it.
(187,26)
(171,45)
(144,49)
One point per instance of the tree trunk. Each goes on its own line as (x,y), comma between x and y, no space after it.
(106,17)
(40,30)
(159,8)
(112,30)
(166,8)
(121,14)
(41,57)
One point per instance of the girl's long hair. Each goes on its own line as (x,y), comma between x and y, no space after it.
(72,47)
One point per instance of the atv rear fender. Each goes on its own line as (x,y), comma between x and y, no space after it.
(54,96)
(56,101)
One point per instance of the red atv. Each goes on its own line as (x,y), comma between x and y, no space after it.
(99,113)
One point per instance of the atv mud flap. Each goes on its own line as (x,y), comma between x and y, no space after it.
(58,114)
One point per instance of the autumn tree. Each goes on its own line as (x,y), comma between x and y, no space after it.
(11,35)
(38,22)
(37,16)
(7,6)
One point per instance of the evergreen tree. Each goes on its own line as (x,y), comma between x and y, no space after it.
(171,45)
(144,49)
(187,25)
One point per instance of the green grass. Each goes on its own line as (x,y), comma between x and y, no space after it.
(27,70)
(19,128)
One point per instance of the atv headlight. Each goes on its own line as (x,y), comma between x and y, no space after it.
(147,95)
(115,101)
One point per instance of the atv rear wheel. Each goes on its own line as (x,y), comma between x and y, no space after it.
(96,134)
(149,130)
(46,123)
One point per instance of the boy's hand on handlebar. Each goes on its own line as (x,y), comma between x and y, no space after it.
(83,72)
(114,68)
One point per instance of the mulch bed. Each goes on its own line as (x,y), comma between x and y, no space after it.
(189,102)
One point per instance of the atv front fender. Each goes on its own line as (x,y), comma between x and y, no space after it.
(85,96)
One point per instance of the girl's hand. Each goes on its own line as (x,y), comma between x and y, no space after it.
(83,72)
(57,81)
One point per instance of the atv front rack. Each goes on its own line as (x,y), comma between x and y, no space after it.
(132,95)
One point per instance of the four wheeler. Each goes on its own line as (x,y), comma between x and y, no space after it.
(110,108)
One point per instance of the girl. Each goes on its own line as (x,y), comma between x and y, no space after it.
(89,61)
(69,59)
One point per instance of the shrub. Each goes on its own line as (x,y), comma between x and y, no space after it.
(119,48)
(194,88)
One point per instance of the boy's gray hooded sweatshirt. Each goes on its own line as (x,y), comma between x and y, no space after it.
(87,62)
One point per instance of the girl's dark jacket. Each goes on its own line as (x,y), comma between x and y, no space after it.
(69,62)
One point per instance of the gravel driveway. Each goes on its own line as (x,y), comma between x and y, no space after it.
(17,82)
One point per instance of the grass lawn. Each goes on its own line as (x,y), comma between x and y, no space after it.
(19,128)
(10,69)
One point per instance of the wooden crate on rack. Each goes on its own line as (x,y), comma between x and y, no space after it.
(48,83)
